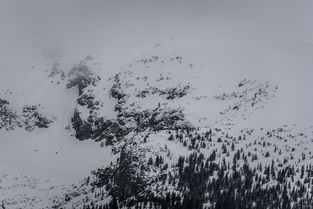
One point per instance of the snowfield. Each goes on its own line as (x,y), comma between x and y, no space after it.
(111,120)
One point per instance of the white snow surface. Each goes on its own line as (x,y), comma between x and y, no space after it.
(219,45)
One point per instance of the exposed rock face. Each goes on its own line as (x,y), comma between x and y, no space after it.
(8,118)
(30,118)
(249,94)
(155,120)
(82,128)
(96,128)
(169,93)
(33,118)
(81,76)
(93,126)
(88,100)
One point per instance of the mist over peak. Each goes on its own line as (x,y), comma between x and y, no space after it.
(203,104)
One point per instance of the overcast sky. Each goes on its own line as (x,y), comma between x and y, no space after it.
(117,30)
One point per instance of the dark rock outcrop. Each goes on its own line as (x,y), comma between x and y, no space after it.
(33,118)
(8,118)
(30,118)
(81,76)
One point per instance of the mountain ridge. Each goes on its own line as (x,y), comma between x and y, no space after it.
(155,146)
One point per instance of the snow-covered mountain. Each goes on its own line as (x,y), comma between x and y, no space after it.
(218,118)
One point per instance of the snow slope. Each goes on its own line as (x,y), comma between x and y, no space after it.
(227,54)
